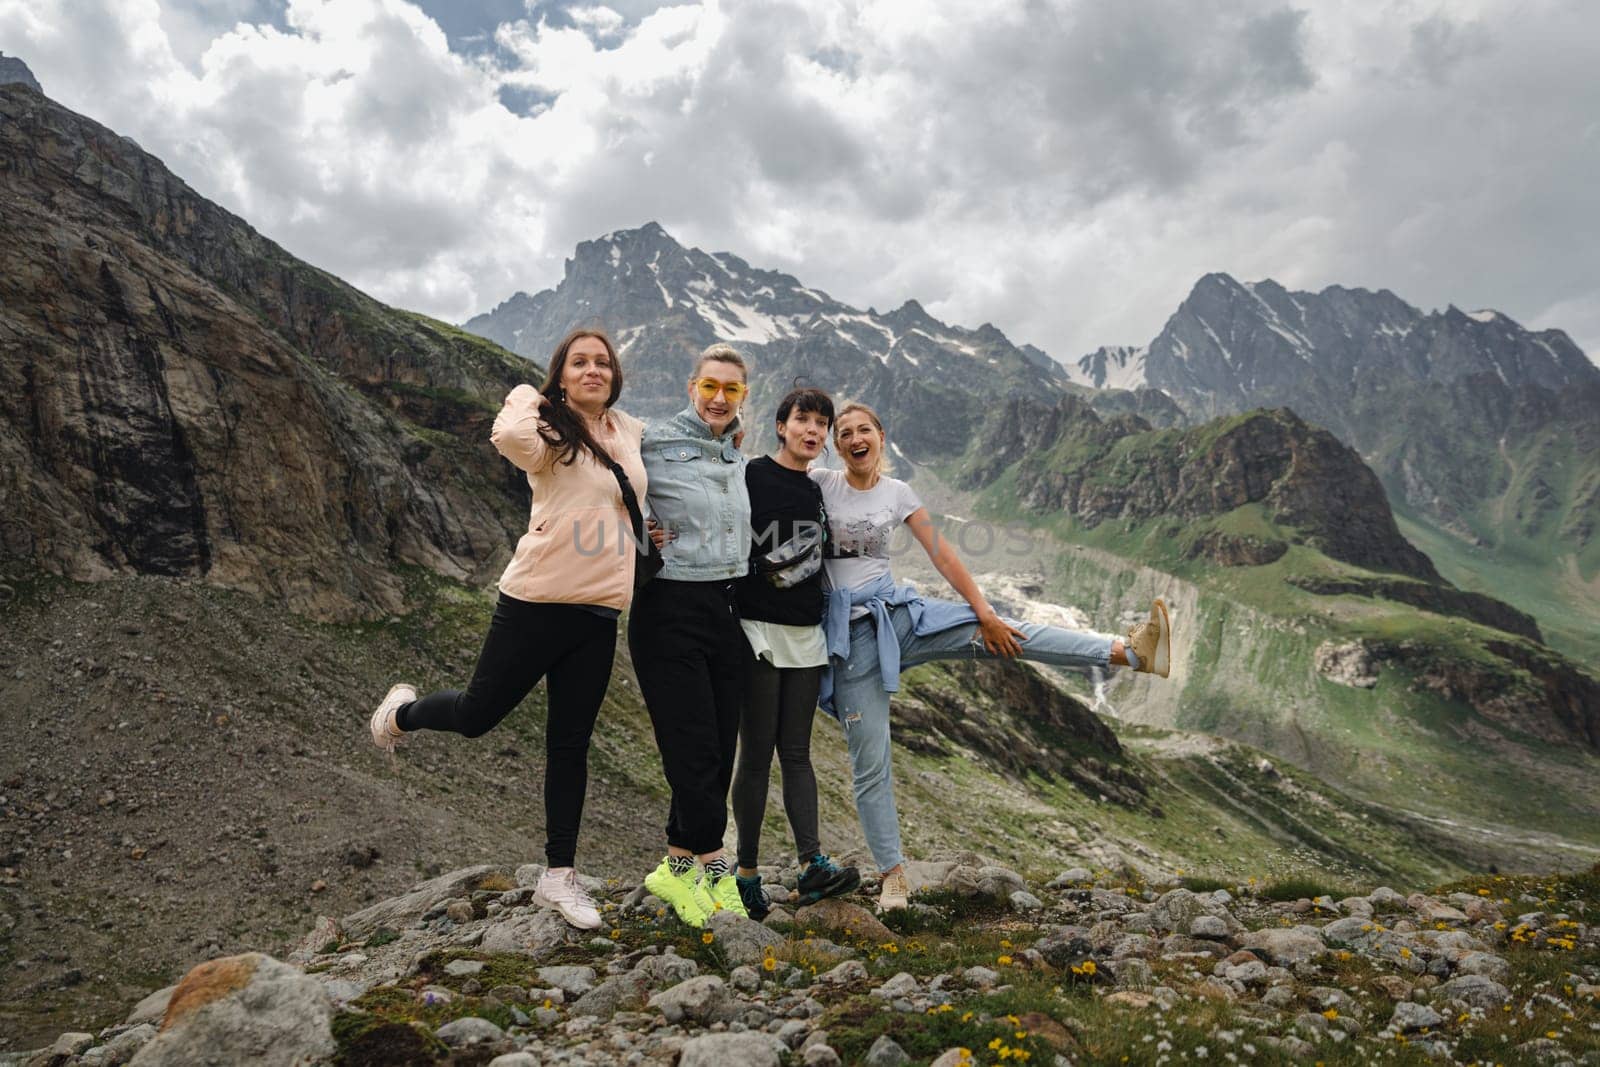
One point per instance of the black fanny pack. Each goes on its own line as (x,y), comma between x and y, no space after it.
(796,559)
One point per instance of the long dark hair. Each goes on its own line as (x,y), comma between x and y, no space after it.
(563,429)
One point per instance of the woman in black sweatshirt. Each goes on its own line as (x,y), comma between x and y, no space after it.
(780,608)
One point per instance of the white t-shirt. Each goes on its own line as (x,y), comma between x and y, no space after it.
(862,521)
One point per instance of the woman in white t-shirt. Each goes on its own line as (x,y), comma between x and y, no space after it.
(875,627)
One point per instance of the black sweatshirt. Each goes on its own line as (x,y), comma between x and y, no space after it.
(780,499)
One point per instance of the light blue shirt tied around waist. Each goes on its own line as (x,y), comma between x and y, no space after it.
(878,597)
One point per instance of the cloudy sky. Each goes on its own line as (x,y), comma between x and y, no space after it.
(1065,169)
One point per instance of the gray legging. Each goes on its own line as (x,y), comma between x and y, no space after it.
(778,707)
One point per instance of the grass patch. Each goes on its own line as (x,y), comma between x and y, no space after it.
(1297,888)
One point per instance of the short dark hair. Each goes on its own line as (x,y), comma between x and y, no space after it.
(806,399)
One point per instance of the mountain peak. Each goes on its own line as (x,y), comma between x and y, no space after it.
(15,71)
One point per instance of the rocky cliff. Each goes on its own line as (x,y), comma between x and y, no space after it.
(1063,457)
(180,396)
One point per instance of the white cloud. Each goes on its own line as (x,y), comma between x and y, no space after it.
(1065,170)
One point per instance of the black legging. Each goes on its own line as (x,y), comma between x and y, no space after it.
(689,653)
(572,647)
(778,707)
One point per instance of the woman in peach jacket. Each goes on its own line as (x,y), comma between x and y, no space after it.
(561,595)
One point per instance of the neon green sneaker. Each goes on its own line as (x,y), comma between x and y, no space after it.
(681,891)
(724,894)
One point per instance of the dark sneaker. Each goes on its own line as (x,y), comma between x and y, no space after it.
(756,904)
(822,879)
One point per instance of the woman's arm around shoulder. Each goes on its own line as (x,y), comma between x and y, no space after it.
(516,430)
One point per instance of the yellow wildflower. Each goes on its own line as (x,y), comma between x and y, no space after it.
(707,937)
(1004,961)
(769,964)
(1331,1014)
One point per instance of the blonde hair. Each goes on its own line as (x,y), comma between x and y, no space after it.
(853,406)
(720,352)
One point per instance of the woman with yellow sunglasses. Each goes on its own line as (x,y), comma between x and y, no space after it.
(688,649)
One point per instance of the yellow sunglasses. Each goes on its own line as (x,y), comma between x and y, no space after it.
(710,387)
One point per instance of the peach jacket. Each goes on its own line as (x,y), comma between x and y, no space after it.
(577,549)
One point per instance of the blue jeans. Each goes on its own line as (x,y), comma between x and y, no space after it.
(863,705)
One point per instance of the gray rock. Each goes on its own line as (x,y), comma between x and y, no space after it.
(982,977)
(745,979)
(1485,963)
(515,1059)
(741,940)
(534,933)
(901,985)
(120,1049)
(1383,896)
(403,911)
(1351,931)
(848,971)
(1022,900)
(989,880)
(462,968)
(1286,946)
(885,1052)
(573,982)
(1409,1016)
(703,999)
(470,1030)
(72,1043)
(666,970)
(151,1008)
(619,992)
(1067,945)
(244,1009)
(1070,877)
(820,1056)
(1209,927)
(1177,909)
(1279,996)
(1131,973)
(953,1057)
(748,1049)
(1476,990)
(793,1032)
(343,990)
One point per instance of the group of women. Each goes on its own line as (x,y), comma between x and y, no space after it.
(774,596)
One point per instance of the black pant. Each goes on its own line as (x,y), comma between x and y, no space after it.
(689,654)
(570,646)
(778,707)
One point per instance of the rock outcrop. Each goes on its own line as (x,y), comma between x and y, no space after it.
(1108,968)
(179,396)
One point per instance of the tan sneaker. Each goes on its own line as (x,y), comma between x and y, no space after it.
(385,734)
(895,892)
(1151,641)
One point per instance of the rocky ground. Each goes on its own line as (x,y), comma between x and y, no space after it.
(982,969)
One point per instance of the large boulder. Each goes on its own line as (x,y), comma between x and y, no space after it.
(243,1009)
(1177,909)
(404,910)
(1286,946)
(534,933)
(704,999)
(741,940)
(843,917)
(748,1049)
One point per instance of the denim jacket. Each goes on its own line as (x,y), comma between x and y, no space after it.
(927,617)
(697,493)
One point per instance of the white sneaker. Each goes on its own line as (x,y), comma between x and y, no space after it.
(385,734)
(559,889)
(895,893)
